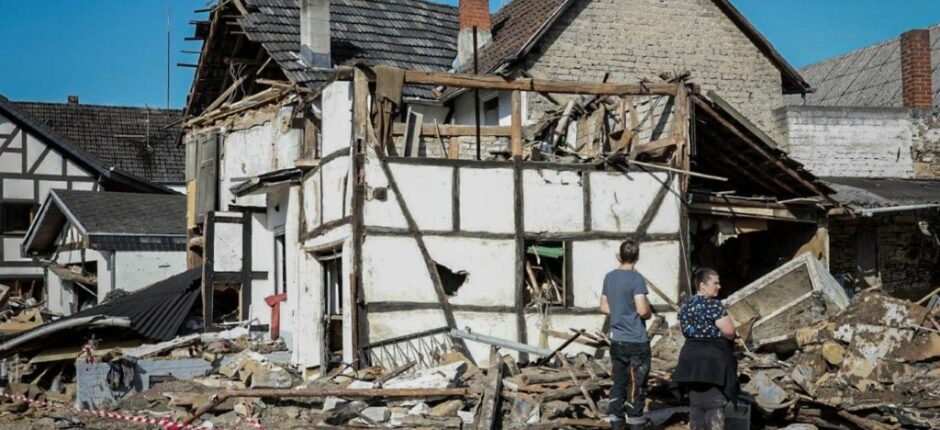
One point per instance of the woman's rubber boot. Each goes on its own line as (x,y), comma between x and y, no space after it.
(618,425)
(637,423)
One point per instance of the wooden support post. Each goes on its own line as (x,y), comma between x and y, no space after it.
(489,406)
(516,124)
(453,151)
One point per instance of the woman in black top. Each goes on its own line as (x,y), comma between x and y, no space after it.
(707,369)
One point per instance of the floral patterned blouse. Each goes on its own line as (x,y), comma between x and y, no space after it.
(697,317)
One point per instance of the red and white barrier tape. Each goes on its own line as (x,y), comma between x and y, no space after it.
(166,423)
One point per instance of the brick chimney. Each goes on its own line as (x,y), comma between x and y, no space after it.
(73,100)
(315,33)
(916,81)
(473,13)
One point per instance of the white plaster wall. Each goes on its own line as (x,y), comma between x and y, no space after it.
(336,193)
(431,113)
(286,139)
(393,270)
(501,325)
(337,116)
(18,189)
(227,247)
(303,311)
(490,282)
(139,269)
(427,191)
(310,198)
(245,153)
(262,260)
(486,200)
(58,299)
(618,202)
(850,142)
(6,126)
(11,248)
(46,186)
(464,113)
(11,162)
(591,260)
(84,186)
(553,201)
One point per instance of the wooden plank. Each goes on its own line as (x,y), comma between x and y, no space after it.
(451,130)
(516,124)
(453,150)
(487,82)
(574,378)
(657,144)
(412,133)
(489,406)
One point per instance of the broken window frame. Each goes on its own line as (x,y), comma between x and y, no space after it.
(534,264)
(490,106)
(280,263)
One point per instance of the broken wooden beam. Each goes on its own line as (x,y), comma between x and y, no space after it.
(489,406)
(452,130)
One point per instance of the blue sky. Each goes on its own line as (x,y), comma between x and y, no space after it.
(114,51)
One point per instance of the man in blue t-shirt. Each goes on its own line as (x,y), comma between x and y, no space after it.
(624,300)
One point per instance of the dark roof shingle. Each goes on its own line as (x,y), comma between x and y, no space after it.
(126,213)
(138,141)
(868,77)
(884,192)
(411,34)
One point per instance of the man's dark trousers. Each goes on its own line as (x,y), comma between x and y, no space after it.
(631,362)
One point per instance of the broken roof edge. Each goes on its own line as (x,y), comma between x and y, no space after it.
(766,145)
(52,202)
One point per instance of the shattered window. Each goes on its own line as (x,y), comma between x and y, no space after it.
(545,274)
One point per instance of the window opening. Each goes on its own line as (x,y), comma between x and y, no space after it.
(545,274)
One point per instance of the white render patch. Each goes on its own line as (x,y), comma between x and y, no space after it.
(18,189)
(11,162)
(46,186)
(11,249)
(427,192)
(51,165)
(71,169)
(619,202)
(84,186)
(245,153)
(310,187)
(34,149)
(487,283)
(659,264)
(337,117)
(336,196)
(393,270)
(486,200)
(227,247)
(6,126)
(552,201)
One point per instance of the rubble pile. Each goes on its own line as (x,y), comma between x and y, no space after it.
(871,366)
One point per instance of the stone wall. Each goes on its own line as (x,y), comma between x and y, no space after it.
(640,39)
(863,142)
(908,261)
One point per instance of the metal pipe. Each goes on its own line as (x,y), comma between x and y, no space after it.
(503,343)
(53,327)
(870,212)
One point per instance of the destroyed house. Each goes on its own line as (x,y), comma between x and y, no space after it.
(362,206)
(97,244)
(47,146)
(872,130)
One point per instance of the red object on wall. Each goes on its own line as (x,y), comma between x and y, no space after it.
(275,303)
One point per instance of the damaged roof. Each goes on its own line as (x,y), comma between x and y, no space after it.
(868,77)
(138,140)
(410,34)
(110,220)
(156,312)
(869,193)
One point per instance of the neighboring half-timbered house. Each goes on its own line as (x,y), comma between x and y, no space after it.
(47,146)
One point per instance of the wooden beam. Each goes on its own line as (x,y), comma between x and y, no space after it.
(450,130)
(739,134)
(486,82)
(782,214)
(516,128)
(656,144)
(489,405)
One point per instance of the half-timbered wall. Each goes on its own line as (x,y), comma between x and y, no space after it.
(29,168)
